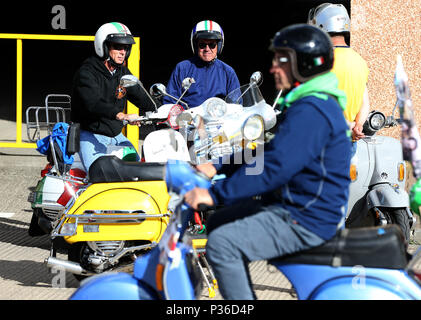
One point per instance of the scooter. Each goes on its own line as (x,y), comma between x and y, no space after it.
(365,263)
(377,195)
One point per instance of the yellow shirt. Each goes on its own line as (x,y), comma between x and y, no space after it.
(352,73)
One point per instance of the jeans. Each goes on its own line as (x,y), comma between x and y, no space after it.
(93,146)
(249,232)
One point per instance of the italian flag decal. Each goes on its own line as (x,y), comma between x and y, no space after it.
(318,61)
(208,24)
(121,28)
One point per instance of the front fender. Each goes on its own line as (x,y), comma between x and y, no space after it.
(386,195)
(113,286)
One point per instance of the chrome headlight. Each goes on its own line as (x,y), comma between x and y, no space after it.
(253,127)
(377,121)
(215,107)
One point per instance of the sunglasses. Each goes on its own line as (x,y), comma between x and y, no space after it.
(202,45)
(118,46)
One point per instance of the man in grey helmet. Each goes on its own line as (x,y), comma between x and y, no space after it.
(350,68)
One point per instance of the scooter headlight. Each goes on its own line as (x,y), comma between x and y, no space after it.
(253,127)
(215,107)
(377,121)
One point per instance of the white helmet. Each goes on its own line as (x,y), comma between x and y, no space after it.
(207,29)
(332,18)
(112,32)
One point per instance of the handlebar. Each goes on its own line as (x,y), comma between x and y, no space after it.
(141,119)
(204,207)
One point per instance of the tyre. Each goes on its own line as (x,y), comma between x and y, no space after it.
(400,218)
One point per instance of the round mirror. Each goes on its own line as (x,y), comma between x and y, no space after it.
(128,80)
(187,82)
(157,90)
(256,78)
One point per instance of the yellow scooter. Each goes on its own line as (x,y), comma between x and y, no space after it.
(123,212)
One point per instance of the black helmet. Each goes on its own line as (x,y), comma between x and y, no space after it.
(309,48)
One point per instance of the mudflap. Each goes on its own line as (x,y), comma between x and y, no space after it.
(39,224)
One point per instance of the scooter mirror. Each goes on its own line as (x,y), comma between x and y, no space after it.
(256,78)
(128,80)
(157,90)
(187,82)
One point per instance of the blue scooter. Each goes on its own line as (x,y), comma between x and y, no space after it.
(365,263)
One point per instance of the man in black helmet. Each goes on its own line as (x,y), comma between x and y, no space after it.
(98,100)
(304,183)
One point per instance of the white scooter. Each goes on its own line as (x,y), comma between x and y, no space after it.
(378,175)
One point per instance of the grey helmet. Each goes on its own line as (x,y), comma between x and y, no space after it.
(332,18)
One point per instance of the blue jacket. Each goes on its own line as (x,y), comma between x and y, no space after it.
(215,79)
(305,167)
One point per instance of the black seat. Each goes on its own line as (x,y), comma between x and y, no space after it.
(113,169)
(373,247)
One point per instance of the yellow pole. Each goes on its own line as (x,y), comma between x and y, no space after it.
(18,91)
(132,132)
(133,64)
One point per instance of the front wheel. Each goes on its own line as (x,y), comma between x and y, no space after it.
(400,218)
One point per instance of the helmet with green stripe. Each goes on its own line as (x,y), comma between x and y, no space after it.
(207,29)
(112,32)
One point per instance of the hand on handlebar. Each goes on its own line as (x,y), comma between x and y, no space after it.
(197,198)
(207,168)
(357,132)
(131,118)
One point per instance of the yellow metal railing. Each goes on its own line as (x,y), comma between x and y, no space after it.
(132,132)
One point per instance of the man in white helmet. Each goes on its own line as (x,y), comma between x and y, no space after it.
(98,100)
(350,68)
(213,77)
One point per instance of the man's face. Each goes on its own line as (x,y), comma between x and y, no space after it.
(207,49)
(281,70)
(118,52)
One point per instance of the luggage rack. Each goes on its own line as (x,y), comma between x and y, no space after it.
(56,107)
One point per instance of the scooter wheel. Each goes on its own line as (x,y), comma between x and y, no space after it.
(400,218)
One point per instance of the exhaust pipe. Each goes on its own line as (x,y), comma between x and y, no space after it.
(69,266)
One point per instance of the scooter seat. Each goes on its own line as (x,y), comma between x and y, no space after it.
(373,247)
(112,169)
